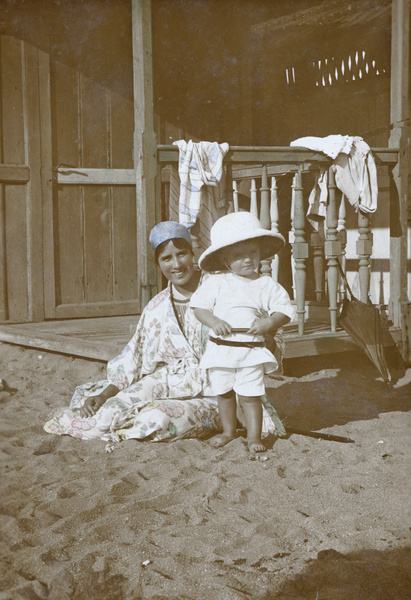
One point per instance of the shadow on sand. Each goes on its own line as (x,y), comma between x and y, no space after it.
(363,575)
(320,392)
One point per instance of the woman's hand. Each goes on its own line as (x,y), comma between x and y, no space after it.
(93,403)
(91,406)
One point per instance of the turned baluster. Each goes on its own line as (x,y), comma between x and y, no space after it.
(253,199)
(300,251)
(342,235)
(274,224)
(317,244)
(265,219)
(332,248)
(364,251)
(230,187)
(235,196)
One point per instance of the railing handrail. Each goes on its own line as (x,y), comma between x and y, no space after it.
(278,155)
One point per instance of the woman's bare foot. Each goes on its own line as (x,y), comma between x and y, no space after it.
(256,446)
(222,439)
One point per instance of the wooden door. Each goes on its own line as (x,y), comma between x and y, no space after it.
(91,240)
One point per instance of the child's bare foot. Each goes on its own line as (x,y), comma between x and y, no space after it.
(222,439)
(256,446)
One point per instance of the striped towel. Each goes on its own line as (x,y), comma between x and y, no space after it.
(200,164)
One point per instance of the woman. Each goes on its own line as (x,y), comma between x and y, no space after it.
(155,388)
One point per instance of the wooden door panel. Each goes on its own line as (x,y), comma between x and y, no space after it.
(68,240)
(97,234)
(15,250)
(124,250)
(64,114)
(94,123)
(122,126)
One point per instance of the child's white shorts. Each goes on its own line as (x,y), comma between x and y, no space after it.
(246,381)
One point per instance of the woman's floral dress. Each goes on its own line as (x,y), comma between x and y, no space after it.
(163,392)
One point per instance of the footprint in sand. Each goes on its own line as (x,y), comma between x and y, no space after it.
(47,447)
(122,489)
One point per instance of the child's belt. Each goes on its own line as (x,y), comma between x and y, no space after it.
(221,342)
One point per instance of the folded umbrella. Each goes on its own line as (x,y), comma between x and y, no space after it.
(368,327)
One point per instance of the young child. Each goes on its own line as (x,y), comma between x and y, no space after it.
(240,307)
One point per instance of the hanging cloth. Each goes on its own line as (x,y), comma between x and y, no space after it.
(354,168)
(202,185)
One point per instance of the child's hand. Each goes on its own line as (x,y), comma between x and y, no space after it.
(260,327)
(221,327)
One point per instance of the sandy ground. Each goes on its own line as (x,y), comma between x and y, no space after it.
(318,519)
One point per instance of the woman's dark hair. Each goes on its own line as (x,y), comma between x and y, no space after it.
(177,242)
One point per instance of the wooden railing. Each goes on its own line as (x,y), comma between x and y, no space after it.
(263,168)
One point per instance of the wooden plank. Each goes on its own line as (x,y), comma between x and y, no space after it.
(98,279)
(313,345)
(94,124)
(63,260)
(46,174)
(320,342)
(86,327)
(98,309)
(124,259)
(145,161)
(39,159)
(121,136)
(12,101)
(3,263)
(14,173)
(124,214)
(68,248)
(79,176)
(332,11)
(59,343)
(400,115)
(16,252)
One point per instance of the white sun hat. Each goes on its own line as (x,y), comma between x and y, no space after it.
(234,228)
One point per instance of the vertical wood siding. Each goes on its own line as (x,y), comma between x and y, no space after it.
(22,75)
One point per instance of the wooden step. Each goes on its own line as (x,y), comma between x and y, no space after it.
(105,337)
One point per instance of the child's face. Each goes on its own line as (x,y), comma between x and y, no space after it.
(243,258)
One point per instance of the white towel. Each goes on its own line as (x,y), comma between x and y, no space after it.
(354,168)
(199,164)
(331,145)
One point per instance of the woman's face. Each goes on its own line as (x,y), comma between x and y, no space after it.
(176,264)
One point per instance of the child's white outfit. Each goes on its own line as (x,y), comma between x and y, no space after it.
(240,301)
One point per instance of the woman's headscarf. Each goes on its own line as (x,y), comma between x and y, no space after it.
(167,231)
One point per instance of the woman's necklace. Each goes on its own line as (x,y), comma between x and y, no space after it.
(177,316)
